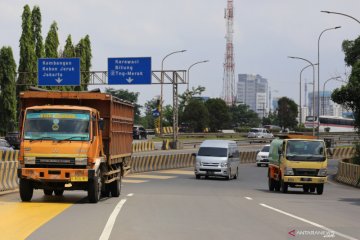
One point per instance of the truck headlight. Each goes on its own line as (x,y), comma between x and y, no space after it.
(29,160)
(223,164)
(289,171)
(322,172)
(80,161)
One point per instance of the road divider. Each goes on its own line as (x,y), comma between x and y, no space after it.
(348,173)
(343,152)
(8,170)
(143,146)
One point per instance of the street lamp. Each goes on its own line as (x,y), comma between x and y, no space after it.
(188,71)
(313,107)
(343,14)
(300,89)
(318,93)
(323,98)
(162,83)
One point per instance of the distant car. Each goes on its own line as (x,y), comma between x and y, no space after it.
(262,157)
(139,132)
(5,146)
(259,133)
(13,139)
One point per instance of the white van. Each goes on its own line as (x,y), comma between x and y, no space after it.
(218,158)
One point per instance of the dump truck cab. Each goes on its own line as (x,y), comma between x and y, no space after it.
(297,161)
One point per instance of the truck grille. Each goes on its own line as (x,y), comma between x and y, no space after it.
(44,162)
(305,172)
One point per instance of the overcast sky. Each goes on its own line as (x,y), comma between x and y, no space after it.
(265,33)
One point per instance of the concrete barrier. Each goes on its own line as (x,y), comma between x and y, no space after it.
(8,170)
(343,152)
(143,146)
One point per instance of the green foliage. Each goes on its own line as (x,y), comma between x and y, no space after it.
(69,49)
(287,113)
(52,42)
(83,51)
(219,115)
(36,32)
(27,62)
(8,91)
(148,120)
(167,116)
(271,119)
(243,116)
(128,96)
(196,115)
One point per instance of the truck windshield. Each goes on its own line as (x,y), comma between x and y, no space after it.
(212,151)
(57,125)
(300,150)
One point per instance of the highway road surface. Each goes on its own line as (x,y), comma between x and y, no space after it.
(172,204)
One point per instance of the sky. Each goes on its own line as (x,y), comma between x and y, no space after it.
(266,32)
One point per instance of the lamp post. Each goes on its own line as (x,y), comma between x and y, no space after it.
(188,71)
(300,89)
(343,14)
(333,78)
(313,107)
(162,83)
(318,83)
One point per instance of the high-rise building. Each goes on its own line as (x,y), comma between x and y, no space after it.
(252,90)
(327,106)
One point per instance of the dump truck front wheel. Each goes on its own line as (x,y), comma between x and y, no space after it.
(26,190)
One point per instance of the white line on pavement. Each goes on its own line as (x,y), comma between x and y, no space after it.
(130,195)
(309,222)
(248,198)
(111,221)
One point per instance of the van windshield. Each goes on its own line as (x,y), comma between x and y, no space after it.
(212,151)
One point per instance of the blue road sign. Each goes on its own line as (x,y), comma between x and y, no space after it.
(155,113)
(129,70)
(59,71)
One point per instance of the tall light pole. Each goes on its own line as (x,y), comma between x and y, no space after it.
(333,78)
(318,83)
(188,71)
(343,14)
(313,107)
(162,83)
(300,89)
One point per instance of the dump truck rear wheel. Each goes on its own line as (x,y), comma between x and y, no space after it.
(59,192)
(115,187)
(48,192)
(26,190)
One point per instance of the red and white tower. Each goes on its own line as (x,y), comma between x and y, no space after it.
(228,93)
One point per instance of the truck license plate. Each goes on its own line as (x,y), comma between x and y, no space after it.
(306,179)
(79,179)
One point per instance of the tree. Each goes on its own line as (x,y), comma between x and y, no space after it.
(287,113)
(168,116)
(8,91)
(243,116)
(52,42)
(83,51)
(271,119)
(348,95)
(69,49)
(36,32)
(128,96)
(27,62)
(148,121)
(196,115)
(185,98)
(219,115)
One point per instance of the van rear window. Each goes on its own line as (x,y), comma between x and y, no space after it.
(212,151)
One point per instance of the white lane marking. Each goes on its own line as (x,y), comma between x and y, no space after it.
(111,221)
(248,198)
(309,222)
(130,195)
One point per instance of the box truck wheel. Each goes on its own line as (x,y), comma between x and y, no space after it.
(115,187)
(284,186)
(48,192)
(26,190)
(320,188)
(306,188)
(94,189)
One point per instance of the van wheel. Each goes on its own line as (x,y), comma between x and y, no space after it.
(197,176)
(258,164)
(229,175)
(237,173)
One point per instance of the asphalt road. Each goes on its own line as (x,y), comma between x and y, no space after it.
(174,205)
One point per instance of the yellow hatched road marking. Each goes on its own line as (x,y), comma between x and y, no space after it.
(180,172)
(18,220)
(149,176)
(133,181)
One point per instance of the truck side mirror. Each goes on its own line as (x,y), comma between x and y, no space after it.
(101,124)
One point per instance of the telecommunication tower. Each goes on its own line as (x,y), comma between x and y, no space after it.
(228,92)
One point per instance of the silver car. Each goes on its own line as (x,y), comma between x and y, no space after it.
(218,158)
(259,133)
